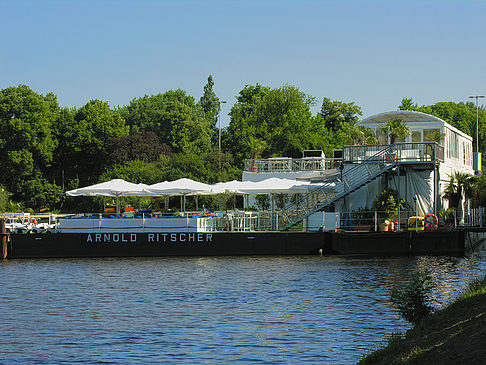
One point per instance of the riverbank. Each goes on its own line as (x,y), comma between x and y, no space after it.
(453,335)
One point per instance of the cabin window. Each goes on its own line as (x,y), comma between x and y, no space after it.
(432,135)
(416,137)
(381,136)
(454,144)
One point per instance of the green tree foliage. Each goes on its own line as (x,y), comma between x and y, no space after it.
(39,193)
(26,141)
(174,117)
(478,191)
(144,146)
(414,301)
(280,117)
(408,104)
(397,129)
(356,135)
(387,204)
(210,106)
(336,113)
(84,136)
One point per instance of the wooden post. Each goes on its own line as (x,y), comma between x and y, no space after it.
(4,239)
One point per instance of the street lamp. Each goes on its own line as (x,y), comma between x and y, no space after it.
(219,140)
(477,119)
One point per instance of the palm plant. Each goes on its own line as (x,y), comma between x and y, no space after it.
(458,189)
(396,129)
(257,146)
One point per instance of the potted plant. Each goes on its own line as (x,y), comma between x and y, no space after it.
(257,146)
(447,217)
(387,206)
(362,219)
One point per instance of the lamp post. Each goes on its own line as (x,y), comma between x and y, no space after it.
(219,140)
(477,119)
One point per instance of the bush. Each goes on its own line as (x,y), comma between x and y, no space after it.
(387,204)
(413,302)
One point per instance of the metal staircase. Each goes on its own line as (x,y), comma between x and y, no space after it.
(351,180)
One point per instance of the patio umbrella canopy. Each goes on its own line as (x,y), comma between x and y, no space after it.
(115,188)
(268,186)
(179,187)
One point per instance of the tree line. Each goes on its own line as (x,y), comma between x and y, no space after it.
(46,149)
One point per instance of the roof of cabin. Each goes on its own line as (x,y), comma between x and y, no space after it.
(405,115)
(409,116)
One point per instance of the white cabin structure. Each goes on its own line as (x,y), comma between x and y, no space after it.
(419,166)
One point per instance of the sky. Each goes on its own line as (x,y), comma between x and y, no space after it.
(372,53)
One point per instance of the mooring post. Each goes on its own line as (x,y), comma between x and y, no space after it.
(4,239)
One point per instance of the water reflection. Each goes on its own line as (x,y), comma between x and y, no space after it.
(219,310)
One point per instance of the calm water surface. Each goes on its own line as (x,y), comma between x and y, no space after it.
(270,310)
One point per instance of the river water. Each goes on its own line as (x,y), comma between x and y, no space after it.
(272,310)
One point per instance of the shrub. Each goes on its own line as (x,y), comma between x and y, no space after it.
(413,302)
(387,204)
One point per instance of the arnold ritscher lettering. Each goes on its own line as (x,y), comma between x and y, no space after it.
(179,237)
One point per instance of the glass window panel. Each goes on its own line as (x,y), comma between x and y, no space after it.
(432,135)
(416,136)
(381,137)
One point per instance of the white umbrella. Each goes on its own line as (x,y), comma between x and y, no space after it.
(233,186)
(270,186)
(115,188)
(182,187)
(179,187)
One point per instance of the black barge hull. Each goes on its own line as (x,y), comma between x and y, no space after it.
(162,244)
(232,244)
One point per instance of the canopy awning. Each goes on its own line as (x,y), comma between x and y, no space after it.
(115,188)
(179,187)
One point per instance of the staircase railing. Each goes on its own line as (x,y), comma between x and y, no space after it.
(351,180)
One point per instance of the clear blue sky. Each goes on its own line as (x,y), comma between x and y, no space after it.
(370,52)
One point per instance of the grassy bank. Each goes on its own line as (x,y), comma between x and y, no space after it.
(453,335)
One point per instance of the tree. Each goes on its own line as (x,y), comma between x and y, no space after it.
(408,104)
(84,136)
(144,146)
(26,141)
(336,113)
(174,117)
(414,301)
(358,135)
(479,190)
(397,129)
(210,106)
(280,117)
